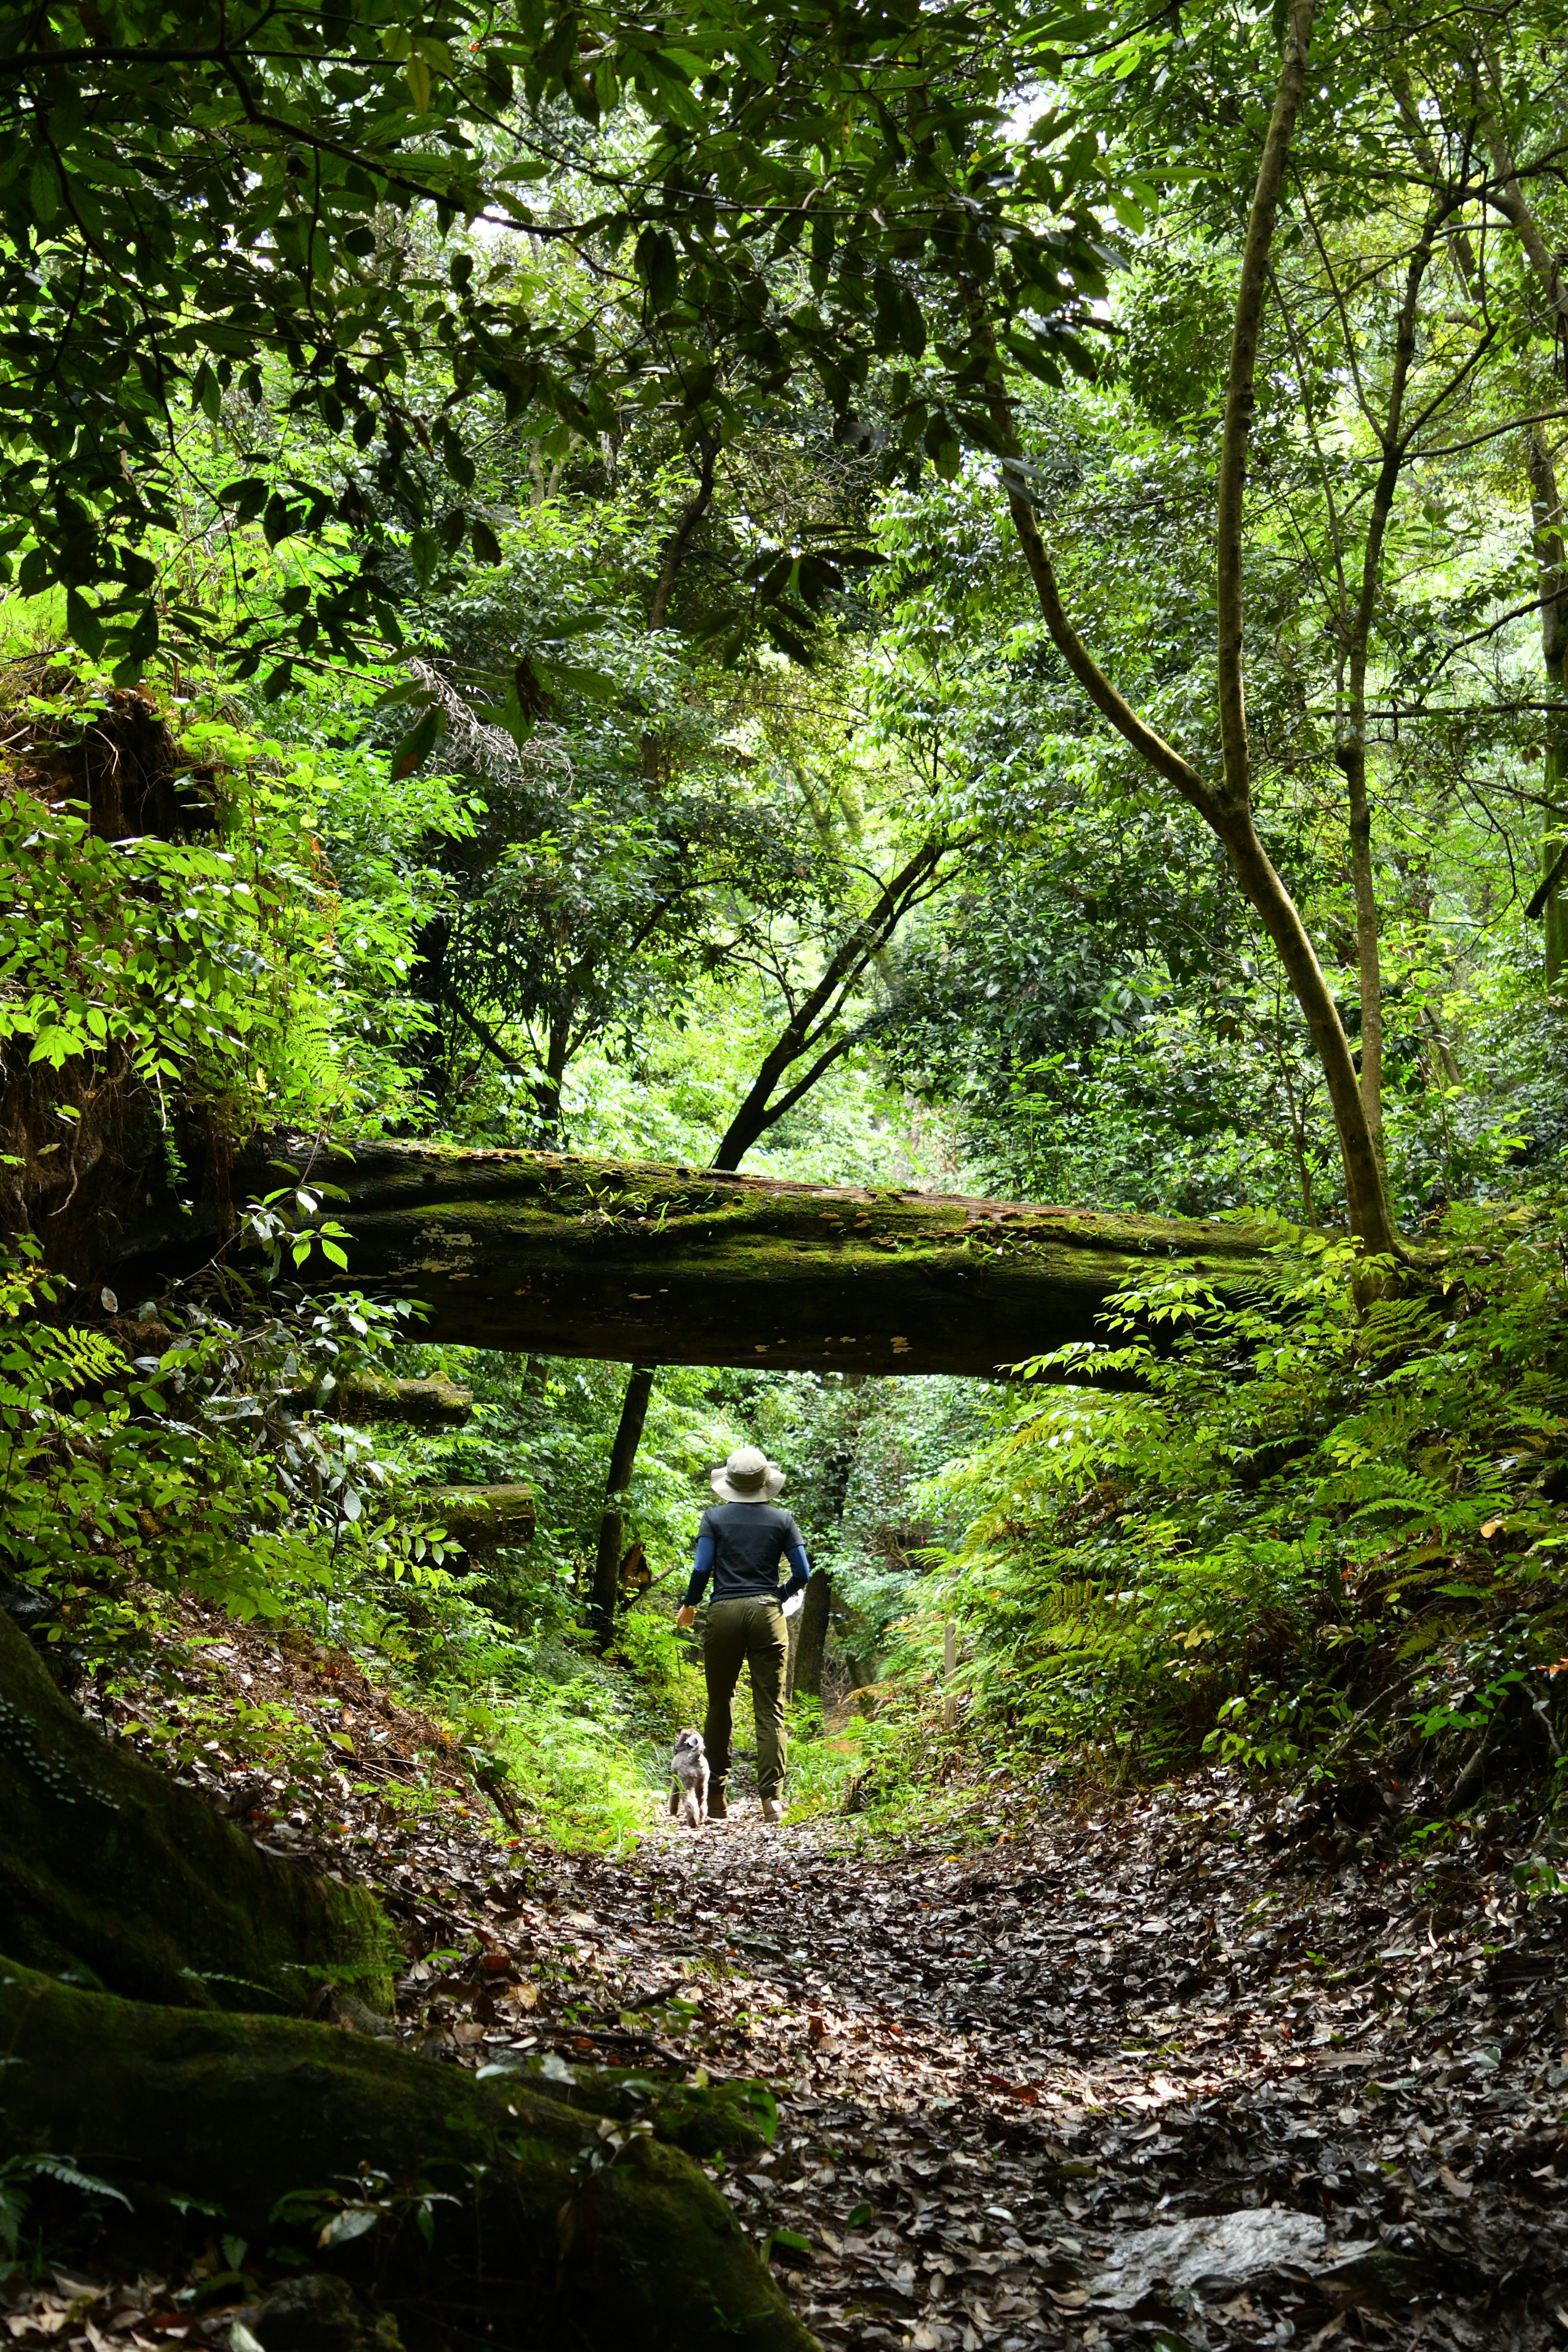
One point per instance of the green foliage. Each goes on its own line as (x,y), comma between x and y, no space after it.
(16,2174)
(258,974)
(1308,1510)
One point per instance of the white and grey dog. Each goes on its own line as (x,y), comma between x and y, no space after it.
(689,1780)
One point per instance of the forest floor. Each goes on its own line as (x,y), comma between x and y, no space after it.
(1189,2068)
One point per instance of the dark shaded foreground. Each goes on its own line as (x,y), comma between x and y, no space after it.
(497,2214)
(271,2121)
(1201,2069)
(619,1259)
(1182,2071)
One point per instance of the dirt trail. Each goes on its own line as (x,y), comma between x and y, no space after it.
(999,2072)
(1183,2070)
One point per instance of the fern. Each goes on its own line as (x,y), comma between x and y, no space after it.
(19,2170)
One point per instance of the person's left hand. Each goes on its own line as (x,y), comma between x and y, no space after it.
(687,1616)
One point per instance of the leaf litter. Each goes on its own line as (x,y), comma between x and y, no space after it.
(1183,2070)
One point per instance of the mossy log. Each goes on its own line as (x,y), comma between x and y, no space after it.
(483,1519)
(656,1265)
(539,2232)
(116,1875)
(422,1405)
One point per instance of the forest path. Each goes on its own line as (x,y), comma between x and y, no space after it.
(998,2070)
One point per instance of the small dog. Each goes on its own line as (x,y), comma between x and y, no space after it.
(688,1780)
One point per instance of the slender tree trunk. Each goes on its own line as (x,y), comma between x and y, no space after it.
(1548,519)
(1352,757)
(428,982)
(812,1645)
(1350,750)
(1547,504)
(1298,1147)
(815,1017)
(1227,808)
(678,545)
(617,1485)
(547,1087)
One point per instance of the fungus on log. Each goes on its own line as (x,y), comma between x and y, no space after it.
(649,1264)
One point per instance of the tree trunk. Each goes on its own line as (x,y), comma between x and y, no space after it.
(1226,807)
(620,1259)
(617,1487)
(421,1404)
(1351,749)
(530,2245)
(813,1643)
(1548,520)
(483,1519)
(817,1015)
(1548,535)
(678,545)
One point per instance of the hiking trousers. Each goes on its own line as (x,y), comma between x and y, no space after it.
(740,1633)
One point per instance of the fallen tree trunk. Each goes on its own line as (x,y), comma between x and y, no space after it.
(483,1519)
(655,1265)
(493,2215)
(421,1404)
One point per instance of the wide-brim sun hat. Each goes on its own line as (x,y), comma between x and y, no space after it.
(748,1476)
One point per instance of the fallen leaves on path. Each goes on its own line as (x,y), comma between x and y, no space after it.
(1191,2069)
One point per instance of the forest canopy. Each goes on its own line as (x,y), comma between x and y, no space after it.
(958,610)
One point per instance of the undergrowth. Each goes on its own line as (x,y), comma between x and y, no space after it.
(1319,1529)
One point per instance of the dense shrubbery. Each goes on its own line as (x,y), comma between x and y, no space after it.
(1320,1523)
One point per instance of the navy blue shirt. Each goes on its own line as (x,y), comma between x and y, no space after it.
(740,1545)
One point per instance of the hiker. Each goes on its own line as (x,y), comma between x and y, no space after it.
(739,1544)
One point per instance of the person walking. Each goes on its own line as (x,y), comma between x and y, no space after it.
(739,1544)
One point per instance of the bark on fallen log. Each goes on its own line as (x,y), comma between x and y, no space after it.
(539,2232)
(619,1259)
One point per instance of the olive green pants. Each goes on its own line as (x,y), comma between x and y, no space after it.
(740,1633)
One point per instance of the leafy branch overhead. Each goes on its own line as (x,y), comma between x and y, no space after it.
(253,167)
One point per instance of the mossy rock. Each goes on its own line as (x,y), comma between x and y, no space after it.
(503,2216)
(114,1873)
(730,2119)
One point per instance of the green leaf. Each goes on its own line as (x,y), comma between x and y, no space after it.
(44,189)
(657,266)
(353,2222)
(419,743)
(83,622)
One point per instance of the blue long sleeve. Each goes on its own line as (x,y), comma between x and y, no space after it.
(701,1569)
(800,1570)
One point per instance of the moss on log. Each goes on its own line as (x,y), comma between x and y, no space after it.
(532,2242)
(422,1405)
(481,1519)
(657,1265)
(113,1872)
